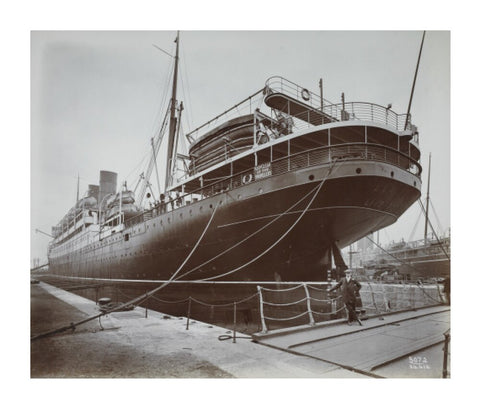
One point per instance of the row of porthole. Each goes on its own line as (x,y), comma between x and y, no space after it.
(181,214)
(392,175)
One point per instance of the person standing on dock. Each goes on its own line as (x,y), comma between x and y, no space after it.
(349,289)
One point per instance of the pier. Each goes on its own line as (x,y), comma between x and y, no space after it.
(144,343)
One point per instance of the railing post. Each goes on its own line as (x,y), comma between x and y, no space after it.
(412,299)
(262,317)
(146,306)
(385,300)
(309,306)
(234,322)
(445,355)
(188,312)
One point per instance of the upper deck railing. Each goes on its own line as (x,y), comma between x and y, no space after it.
(313,157)
(338,112)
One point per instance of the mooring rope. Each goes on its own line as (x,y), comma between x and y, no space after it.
(138,299)
(317,190)
(249,236)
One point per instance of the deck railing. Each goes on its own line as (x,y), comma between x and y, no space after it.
(341,111)
(314,157)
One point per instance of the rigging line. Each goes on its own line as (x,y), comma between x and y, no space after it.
(410,238)
(284,234)
(393,256)
(256,232)
(433,230)
(436,216)
(156,167)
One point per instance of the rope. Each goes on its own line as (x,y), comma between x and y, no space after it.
(325,300)
(248,237)
(170,301)
(280,319)
(431,226)
(282,290)
(317,289)
(285,304)
(138,299)
(283,235)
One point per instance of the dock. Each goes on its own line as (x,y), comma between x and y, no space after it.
(143,343)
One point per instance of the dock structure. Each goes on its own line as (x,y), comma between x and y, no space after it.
(136,344)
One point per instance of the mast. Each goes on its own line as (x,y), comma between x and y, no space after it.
(413,86)
(173,119)
(428,200)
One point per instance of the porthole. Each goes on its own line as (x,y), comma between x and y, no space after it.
(415,183)
(358,170)
(392,174)
(211,206)
(311,177)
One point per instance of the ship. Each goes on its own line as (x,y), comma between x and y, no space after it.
(269,191)
(422,259)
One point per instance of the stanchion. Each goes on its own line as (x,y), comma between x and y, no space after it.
(146,306)
(309,306)
(445,354)
(234,322)
(262,317)
(188,312)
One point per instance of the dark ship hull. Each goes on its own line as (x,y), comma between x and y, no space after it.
(348,205)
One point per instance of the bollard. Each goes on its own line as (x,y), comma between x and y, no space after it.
(445,355)
(234,322)
(188,312)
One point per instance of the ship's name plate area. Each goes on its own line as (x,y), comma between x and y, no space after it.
(263,170)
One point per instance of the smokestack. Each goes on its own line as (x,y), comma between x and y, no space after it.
(108,184)
(93,191)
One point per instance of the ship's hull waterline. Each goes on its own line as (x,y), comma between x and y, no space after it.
(286,236)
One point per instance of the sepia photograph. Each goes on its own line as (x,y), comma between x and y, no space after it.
(240,204)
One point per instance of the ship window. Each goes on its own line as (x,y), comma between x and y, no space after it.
(127,237)
(358,170)
(311,177)
(391,174)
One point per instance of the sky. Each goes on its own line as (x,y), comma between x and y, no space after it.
(98,97)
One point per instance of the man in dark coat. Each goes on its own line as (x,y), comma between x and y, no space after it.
(350,287)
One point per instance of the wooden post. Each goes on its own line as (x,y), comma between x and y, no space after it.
(234,322)
(262,317)
(146,306)
(445,355)
(188,312)
(309,306)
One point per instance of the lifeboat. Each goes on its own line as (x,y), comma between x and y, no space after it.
(227,140)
